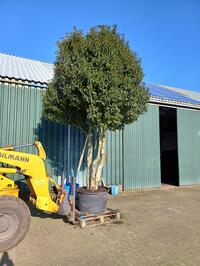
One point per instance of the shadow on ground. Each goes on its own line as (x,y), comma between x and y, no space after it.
(39,213)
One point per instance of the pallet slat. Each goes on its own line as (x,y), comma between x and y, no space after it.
(97,219)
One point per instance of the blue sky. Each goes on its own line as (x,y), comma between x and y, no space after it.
(165,33)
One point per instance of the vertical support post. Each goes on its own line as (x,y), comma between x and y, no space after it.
(73,198)
(68,153)
(123,163)
(62,181)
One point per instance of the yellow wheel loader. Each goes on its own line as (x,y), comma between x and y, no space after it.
(14,213)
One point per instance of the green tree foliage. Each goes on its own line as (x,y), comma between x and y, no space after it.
(97,82)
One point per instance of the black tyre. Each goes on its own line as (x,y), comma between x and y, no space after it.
(14,221)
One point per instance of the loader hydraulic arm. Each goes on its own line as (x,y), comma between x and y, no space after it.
(33,168)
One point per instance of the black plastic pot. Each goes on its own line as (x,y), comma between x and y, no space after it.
(92,202)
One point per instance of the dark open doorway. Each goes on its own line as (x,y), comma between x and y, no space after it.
(168,146)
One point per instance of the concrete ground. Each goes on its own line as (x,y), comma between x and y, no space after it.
(158,227)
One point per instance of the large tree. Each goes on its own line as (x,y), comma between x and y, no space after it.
(97,86)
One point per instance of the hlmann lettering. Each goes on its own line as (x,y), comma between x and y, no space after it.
(13,157)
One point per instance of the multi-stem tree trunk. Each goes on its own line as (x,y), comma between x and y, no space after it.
(98,163)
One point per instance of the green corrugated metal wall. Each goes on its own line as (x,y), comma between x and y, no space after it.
(133,154)
(20,122)
(142,151)
(113,172)
(188,123)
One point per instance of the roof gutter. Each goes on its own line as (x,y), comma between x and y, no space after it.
(23,82)
(174,103)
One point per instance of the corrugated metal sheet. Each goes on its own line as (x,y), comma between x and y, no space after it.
(138,161)
(113,170)
(25,69)
(142,151)
(20,110)
(188,123)
(63,145)
(20,122)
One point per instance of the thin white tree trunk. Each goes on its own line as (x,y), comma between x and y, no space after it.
(102,157)
(96,161)
(82,155)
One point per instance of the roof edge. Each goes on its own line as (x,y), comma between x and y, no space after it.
(174,103)
(23,82)
(26,58)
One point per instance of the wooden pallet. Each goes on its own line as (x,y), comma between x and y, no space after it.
(85,220)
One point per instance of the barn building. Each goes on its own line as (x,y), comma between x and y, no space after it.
(162,147)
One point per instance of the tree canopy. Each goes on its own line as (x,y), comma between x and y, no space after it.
(97,81)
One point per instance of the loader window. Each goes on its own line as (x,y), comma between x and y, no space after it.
(168,146)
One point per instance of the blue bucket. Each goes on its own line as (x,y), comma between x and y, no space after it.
(68,188)
(114,190)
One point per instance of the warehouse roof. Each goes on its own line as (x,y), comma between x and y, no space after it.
(20,68)
(23,69)
(170,95)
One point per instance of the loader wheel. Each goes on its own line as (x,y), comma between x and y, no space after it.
(14,221)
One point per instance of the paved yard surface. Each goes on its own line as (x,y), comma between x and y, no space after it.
(159,227)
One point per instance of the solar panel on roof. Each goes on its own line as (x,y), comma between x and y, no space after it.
(163,93)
